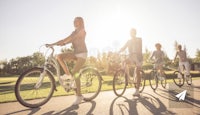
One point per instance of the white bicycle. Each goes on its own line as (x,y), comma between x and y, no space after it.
(36,86)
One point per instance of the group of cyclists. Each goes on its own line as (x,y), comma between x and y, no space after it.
(77,38)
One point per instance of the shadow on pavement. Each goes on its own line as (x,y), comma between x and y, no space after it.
(32,111)
(72,110)
(151,104)
(171,93)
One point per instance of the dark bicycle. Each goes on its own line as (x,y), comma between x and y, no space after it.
(180,77)
(156,76)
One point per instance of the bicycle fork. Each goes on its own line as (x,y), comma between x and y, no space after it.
(40,80)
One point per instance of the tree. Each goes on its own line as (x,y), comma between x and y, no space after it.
(175,46)
(3,65)
(146,55)
(38,59)
(197,58)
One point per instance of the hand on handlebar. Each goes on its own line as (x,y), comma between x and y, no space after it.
(49,45)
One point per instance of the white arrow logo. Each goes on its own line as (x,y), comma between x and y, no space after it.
(181,96)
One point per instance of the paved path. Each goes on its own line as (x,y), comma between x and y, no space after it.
(161,102)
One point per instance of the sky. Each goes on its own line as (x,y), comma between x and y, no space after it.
(25,25)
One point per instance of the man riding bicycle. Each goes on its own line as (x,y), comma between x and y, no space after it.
(135,57)
(183,61)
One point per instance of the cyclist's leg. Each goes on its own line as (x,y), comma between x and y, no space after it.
(138,76)
(187,68)
(127,62)
(181,67)
(137,71)
(79,63)
(81,58)
(160,69)
(65,56)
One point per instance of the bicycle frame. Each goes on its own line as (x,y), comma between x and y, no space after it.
(54,63)
(124,67)
(155,70)
(51,60)
(182,71)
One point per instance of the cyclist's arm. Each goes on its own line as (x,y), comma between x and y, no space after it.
(75,35)
(152,55)
(62,42)
(163,55)
(175,56)
(124,47)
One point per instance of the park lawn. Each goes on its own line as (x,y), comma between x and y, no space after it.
(7,85)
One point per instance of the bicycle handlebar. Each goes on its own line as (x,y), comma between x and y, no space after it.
(50,47)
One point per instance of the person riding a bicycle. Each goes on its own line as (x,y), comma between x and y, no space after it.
(158,58)
(183,61)
(134,46)
(77,38)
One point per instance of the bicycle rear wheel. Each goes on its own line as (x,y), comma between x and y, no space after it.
(189,80)
(178,78)
(119,82)
(34,87)
(153,80)
(164,80)
(91,82)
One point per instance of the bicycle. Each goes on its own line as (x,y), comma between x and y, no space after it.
(36,86)
(156,76)
(181,77)
(122,78)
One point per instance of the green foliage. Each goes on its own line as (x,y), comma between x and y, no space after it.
(197,58)
(20,64)
(106,63)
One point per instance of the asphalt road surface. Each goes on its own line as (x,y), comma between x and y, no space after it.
(160,102)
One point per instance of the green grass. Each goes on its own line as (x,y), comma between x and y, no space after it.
(7,85)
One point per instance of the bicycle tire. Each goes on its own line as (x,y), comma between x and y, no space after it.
(142,82)
(153,80)
(91,82)
(164,81)
(178,79)
(26,91)
(189,79)
(119,82)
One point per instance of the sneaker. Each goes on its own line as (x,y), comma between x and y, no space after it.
(78,100)
(66,81)
(137,93)
(73,84)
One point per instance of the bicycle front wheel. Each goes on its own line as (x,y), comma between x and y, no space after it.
(164,80)
(119,82)
(178,78)
(153,80)
(142,82)
(91,82)
(34,87)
